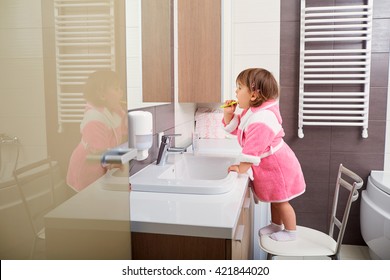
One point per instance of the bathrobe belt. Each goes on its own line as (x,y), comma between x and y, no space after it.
(272,150)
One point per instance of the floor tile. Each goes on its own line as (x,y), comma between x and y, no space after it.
(351,252)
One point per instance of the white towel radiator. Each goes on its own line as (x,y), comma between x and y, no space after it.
(335,59)
(85,42)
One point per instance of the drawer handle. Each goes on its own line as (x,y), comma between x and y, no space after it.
(247,203)
(239,235)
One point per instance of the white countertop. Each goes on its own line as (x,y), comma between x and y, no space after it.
(185,214)
(212,216)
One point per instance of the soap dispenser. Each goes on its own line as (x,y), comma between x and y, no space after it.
(141,132)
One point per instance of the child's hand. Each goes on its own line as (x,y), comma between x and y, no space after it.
(229,109)
(234,168)
(240,168)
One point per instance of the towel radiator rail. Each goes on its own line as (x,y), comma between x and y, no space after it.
(335,55)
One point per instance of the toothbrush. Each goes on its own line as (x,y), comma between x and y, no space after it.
(229,104)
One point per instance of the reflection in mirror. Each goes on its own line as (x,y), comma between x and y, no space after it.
(149,52)
(104,127)
(30,138)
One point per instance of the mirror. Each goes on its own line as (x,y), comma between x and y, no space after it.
(149,53)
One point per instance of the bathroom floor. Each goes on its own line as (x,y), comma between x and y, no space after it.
(348,252)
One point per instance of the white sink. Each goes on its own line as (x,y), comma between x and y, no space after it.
(187,173)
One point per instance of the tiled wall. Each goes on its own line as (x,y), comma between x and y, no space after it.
(255,37)
(22,79)
(387,150)
(324,148)
(133,54)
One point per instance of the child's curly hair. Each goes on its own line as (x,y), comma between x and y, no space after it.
(260,81)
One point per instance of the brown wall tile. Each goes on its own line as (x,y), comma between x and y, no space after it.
(290,10)
(165,117)
(379,69)
(349,139)
(378,103)
(289,41)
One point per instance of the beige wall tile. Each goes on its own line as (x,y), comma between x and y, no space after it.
(21,103)
(21,73)
(21,42)
(22,96)
(20,14)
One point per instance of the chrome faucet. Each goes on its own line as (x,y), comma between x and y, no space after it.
(166,149)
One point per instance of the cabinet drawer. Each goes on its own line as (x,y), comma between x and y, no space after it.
(242,242)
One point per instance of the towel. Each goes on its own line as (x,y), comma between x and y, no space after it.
(208,123)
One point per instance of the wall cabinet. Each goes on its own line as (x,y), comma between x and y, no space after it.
(199,51)
(157,51)
(151,246)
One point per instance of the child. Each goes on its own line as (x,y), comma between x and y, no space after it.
(103,127)
(277,174)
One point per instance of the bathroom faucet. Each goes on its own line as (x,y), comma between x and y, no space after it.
(166,149)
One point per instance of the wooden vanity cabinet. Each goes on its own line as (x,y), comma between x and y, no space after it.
(242,243)
(199,50)
(150,246)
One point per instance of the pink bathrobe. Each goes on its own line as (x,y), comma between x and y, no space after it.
(277,175)
(101,130)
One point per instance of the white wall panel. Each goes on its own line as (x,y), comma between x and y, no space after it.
(256,11)
(256,38)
